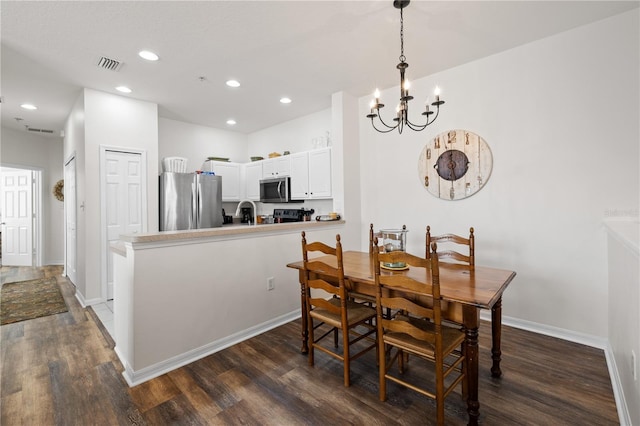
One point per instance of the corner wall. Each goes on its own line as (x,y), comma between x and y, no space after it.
(102,119)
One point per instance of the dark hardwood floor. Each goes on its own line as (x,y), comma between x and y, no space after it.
(62,370)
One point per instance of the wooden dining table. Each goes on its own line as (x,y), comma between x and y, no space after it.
(473,288)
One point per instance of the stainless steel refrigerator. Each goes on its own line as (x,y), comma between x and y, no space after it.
(190,201)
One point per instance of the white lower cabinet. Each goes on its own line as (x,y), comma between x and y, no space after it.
(311,174)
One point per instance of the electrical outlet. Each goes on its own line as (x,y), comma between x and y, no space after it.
(271,283)
(634,366)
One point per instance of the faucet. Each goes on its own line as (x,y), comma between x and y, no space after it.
(255,212)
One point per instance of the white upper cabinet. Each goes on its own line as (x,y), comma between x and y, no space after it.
(230,173)
(252,176)
(311,174)
(276,167)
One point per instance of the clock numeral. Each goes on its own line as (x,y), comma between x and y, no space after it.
(452,193)
(426,181)
(428,153)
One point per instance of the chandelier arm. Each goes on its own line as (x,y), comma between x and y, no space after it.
(420,127)
(385,124)
(389,129)
(416,127)
(434,117)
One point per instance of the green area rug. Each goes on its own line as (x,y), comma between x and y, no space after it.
(23,300)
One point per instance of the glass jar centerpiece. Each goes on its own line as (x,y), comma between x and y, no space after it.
(394,240)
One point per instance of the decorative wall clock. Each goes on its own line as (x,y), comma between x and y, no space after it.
(455,164)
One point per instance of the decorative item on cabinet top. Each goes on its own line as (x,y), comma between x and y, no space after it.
(455,164)
(174,164)
(218,158)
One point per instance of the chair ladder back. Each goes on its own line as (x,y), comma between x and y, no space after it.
(455,239)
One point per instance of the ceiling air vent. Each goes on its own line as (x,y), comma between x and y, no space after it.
(31,129)
(109,64)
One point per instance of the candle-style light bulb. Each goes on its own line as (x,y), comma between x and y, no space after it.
(376,95)
(372,105)
(437,93)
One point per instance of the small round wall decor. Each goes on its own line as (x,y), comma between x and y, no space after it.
(455,164)
(58,190)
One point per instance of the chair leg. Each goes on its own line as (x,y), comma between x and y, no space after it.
(335,338)
(439,390)
(346,358)
(311,340)
(382,368)
(401,361)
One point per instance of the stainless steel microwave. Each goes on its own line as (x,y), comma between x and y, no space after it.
(276,190)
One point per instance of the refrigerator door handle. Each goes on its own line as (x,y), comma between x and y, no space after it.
(195,210)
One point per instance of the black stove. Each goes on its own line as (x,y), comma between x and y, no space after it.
(291,215)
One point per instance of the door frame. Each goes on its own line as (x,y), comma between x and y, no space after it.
(104,253)
(67,207)
(36,208)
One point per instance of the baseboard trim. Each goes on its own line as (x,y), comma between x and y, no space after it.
(84,303)
(548,330)
(583,339)
(134,378)
(618,392)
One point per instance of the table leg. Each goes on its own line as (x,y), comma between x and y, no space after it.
(496,331)
(471,322)
(303,309)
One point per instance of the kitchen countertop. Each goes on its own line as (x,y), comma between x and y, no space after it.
(226,230)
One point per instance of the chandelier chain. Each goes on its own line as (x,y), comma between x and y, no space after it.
(402,57)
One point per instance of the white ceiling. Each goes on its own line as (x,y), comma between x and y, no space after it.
(305,50)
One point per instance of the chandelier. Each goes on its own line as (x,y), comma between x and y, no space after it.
(402,110)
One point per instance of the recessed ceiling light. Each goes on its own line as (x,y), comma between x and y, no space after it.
(231,122)
(233,83)
(148,55)
(29,106)
(123,89)
(285,100)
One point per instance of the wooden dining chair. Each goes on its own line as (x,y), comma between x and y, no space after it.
(469,243)
(418,330)
(330,311)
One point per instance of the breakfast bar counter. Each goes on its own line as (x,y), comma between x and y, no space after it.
(236,230)
(182,295)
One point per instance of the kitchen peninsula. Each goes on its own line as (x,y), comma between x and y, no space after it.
(182,295)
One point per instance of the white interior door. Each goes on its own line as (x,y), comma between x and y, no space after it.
(123,201)
(70,220)
(17,217)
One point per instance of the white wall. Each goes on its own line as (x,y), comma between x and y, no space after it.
(293,136)
(30,151)
(561,118)
(74,147)
(196,143)
(102,119)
